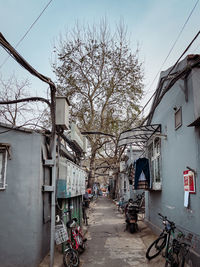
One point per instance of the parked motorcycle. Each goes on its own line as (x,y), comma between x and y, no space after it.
(132,217)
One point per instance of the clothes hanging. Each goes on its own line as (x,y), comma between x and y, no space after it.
(142,165)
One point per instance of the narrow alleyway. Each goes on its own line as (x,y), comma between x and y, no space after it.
(110,245)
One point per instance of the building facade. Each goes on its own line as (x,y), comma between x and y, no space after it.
(24,207)
(176,151)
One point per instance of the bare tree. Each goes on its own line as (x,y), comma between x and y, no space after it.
(23,113)
(102,78)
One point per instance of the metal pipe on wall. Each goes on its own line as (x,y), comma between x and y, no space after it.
(53,202)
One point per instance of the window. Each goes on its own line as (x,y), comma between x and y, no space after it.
(154,151)
(178,118)
(3,164)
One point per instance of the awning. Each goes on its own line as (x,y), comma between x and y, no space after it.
(195,123)
(139,135)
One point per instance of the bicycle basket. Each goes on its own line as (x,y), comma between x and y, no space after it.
(61,234)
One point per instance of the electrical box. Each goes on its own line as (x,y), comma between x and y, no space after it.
(76,136)
(62,112)
(71,179)
(62,190)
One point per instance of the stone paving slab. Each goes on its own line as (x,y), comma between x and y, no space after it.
(110,245)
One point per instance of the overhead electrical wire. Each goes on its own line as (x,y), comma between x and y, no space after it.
(171,49)
(137,116)
(187,48)
(22,38)
(17,57)
(173,67)
(167,57)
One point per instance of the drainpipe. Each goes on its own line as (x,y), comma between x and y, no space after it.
(53,173)
(53,203)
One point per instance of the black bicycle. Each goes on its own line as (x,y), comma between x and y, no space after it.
(175,251)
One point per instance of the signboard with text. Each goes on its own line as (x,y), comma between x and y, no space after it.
(189,181)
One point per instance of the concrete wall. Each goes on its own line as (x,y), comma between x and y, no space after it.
(24,238)
(181,149)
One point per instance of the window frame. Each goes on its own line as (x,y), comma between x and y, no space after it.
(3,168)
(154,155)
(181,118)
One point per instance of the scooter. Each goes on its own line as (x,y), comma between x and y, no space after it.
(132,217)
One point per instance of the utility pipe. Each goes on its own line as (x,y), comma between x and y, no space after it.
(53,202)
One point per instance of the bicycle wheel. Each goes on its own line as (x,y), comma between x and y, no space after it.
(71,258)
(182,260)
(172,260)
(175,259)
(156,247)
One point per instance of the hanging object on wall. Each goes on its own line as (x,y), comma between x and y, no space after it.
(186,199)
(189,181)
(142,174)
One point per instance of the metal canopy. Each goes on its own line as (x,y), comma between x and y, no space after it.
(139,135)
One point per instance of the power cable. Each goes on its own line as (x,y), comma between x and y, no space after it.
(168,87)
(169,73)
(187,48)
(27,31)
(171,49)
(195,49)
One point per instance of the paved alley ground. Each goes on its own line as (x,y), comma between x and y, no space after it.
(109,245)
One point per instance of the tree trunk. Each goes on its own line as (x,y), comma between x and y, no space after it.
(92,170)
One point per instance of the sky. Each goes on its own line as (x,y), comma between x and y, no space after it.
(153,24)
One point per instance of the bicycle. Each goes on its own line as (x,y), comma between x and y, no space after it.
(175,251)
(177,254)
(77,239)
(70,255)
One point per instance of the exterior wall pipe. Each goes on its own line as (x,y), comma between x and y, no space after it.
(53,172)
(53,195)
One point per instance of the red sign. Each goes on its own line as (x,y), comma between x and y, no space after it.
(189,181)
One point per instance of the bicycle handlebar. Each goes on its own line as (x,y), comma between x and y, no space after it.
(165,218)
